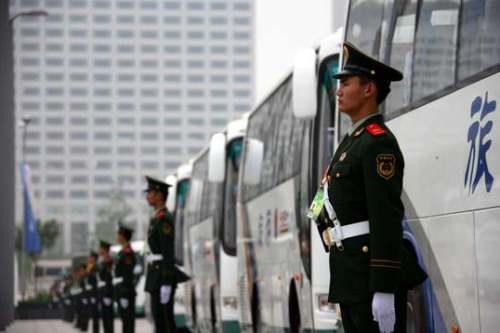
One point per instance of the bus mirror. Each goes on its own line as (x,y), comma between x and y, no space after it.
(253,161)
(217,158)
(304,84)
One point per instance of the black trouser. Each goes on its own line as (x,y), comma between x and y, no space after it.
(128,315)
(163,314)
(94,314)
(358,318)
(107,317)
(85,315)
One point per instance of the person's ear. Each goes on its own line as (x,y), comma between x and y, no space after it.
(370,89)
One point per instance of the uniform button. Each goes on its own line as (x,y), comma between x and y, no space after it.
(337,175)
(364,249)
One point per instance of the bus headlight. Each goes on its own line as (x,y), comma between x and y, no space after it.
(230,302)
(323,304)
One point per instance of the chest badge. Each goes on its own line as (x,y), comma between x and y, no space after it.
(358,132)
(167,228)
(386,165)
(342,156)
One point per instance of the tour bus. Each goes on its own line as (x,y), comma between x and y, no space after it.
(139,248)
(443,114)
(283,267)
(176,204)
(212,231)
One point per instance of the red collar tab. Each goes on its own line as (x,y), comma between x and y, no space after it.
(160,214)
(127,249)
(375,129)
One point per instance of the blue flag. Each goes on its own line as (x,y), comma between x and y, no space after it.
(31,238)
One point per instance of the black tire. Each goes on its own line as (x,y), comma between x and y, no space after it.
(294,309)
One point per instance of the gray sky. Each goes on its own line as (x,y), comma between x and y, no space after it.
(284,27)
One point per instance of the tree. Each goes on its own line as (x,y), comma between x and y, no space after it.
(109,215)
(48,231)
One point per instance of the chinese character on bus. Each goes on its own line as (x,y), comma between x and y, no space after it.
(477,165)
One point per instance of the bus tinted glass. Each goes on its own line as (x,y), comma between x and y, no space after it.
(182,192)
(231,191)
(435,47)
(401,37)
(479,37)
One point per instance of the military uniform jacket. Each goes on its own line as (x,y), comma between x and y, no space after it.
(365,182)
(92,290)
(161,241)
(106,275)
(124,268)
(84,295)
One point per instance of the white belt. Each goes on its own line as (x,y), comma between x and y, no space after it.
(339,232)
(101,284)
(117,280)
(153,257)
(75,291)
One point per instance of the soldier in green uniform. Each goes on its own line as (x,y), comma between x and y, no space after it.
(124,270)
(160,278)
(92,290)
(370,268)
(106,290)
(66,299)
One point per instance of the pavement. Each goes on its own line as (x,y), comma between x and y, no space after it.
(59,326)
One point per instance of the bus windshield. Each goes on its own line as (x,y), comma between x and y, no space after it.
(231,189)
(182,192)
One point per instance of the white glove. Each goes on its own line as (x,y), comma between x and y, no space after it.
(165,292)
(124,303)
(84,301)
(68,302)
(107,301)
(92,300)
(384,312)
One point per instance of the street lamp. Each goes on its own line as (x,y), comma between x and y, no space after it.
(30,13)
(24,126)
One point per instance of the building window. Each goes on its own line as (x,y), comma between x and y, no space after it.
(78,121)
(53,32)
(54,194)
(171,20)
(102,33)
(149,19)
(171,5)
(149,5)
(218,6)
(171,34)
(218,20)
(54,76)
(126,150)
(125,19)
(78,92)
(78,77)
(102,19)
(218,35)
(149,63)
(78,106)
(52,62)
(195,64)
(196,107)
(149,107)
(54,106)
(241,21)
(102,106)
(54,47)
(171,107)
(102,77)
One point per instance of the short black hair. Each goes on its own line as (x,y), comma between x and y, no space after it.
(126,233)
(383,87)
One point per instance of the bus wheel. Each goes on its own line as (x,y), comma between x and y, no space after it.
(293,309)
(255,311)
(213,311)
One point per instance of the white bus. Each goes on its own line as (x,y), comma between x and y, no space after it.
(176,203)
(283,268)
(212,233)
(444,114)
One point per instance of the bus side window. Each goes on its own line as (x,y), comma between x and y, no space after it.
(435,47)
(401,35)
(479,38)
